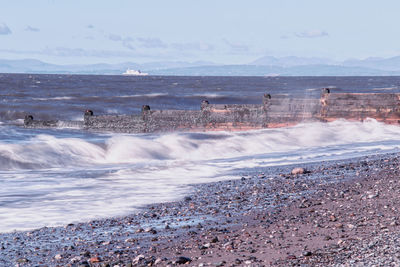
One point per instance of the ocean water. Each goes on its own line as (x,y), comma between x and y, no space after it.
(57,176)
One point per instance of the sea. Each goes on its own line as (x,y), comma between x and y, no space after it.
(52,177)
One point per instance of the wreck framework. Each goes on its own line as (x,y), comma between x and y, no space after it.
(272,113)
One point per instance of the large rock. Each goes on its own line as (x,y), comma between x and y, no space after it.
(298,170)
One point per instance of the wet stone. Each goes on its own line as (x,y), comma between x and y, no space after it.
(84,264)
(214,240)
(22,260)
(85,254)
(297,171)
(150,230)
(307,253)
(182,260)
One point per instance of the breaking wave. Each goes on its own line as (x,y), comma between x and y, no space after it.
(308,140)
(52,178)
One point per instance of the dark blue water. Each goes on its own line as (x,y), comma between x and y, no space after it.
(57,176)
(67,96)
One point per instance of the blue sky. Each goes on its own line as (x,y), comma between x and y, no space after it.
(221,31)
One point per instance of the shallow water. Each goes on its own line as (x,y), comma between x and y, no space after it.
(57,176)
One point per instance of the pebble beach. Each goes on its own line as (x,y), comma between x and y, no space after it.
(334,213)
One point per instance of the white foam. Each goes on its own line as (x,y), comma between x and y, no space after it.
(45,151)
(386,88)
(319,88)
(143,95)
(208,95)
(53,98)
(49,180)
(50,151)
(112,111)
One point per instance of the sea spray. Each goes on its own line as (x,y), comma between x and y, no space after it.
(50,151)
(54,177)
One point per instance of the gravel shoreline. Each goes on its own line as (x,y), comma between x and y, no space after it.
(335,213)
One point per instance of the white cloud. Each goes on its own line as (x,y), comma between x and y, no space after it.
(156,44)
(194,46)
(236,47)
(4,30)
(115,37)
(79,52)
(152,42)
(70,52)
(32,29)
(312,34)
(127,43)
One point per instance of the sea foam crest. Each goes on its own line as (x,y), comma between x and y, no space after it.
(46,151)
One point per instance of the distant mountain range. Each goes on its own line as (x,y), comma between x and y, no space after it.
(258,70)
(292,61)
(37,66)
(264,66)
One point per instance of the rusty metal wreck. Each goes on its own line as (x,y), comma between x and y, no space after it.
(272,113)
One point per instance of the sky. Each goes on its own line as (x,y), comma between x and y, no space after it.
(219,31)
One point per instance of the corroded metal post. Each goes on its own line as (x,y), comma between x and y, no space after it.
(145,108)
(28,120)
(266,101)
(324,104)
(266,105)
(86,117)
(204,104)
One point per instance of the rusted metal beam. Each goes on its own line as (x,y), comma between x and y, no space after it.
(272,113)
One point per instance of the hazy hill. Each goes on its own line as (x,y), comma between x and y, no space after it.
(258,70)
(264,66)
(37,66)
(392,63)
(291,61)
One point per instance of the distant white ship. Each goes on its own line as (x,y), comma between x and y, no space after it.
(134,73)
(272,75)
